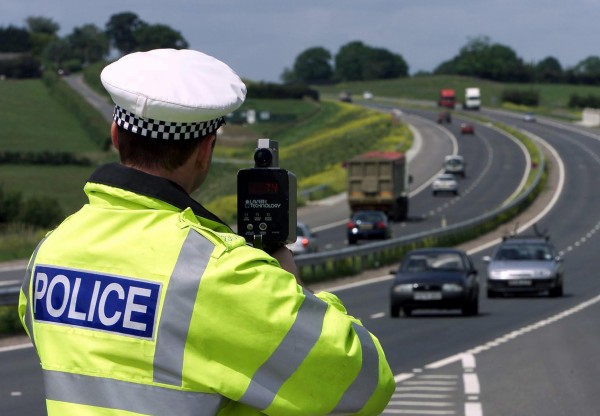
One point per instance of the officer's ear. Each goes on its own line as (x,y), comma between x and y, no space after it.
(205,148)
(114,135)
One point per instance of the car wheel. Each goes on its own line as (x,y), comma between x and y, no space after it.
(556,291)
(406,311)
(471,308)
(434,193)
(455,193)
(351,240)
(491,294)
(395,311)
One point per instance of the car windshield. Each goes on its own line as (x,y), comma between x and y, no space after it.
(524,252)
(300,231)
(433,261)
(369,217)
(454,162)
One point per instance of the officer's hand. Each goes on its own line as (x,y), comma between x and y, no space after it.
(286,259)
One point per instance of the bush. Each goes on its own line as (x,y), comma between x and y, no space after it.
(589,101)
(22,67)
(43,212)
(280,91)
(521,97)
(9,321)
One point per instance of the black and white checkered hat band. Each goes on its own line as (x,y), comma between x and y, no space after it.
(165,130)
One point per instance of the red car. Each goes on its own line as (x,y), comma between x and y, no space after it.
(467,128)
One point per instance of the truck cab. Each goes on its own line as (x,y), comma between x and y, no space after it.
(472,99)
(447,98)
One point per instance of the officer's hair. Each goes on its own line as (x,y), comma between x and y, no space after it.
(140,151)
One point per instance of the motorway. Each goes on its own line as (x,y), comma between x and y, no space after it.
(521,356)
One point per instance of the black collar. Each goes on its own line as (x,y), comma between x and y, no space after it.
(130,179)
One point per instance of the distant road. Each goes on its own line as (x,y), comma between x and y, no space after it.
(98,101)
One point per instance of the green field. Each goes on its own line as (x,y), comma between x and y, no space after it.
(313,137)
(553,97)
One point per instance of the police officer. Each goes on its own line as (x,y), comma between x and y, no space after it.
(144,302)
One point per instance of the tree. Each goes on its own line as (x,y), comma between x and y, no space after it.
(88,43)
(587,71)
(14,39)
(158,36)
(120,30)
(382,64)
(348,61)
(40,24)
(356,61)
(549,70)
(42,32)
(312,66)
(483,59)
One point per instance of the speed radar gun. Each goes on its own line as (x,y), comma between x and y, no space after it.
(266,198)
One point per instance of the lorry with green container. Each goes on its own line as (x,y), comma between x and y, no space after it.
(379,181)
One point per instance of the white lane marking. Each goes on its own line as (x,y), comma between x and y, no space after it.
(403,376)
(418,412)
(10,282)
(16,347)
(429,383)
(378,315)
(425,404)
(471,382)
(423,388)
(473,409)
(420,396)
(468,361)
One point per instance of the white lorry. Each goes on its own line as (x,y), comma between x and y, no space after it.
(472,99)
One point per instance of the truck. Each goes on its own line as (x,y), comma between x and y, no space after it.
(379,181)
(447,98)
(472,99)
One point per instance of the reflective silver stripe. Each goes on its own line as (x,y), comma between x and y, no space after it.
(25,289)
(179,307)
(365,383)
(132,397)
(290,353)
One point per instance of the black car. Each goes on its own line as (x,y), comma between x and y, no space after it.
(435,278)
(368,225)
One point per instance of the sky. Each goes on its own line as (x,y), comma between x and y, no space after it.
(259,39)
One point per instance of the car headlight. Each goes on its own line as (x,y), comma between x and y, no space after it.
(403,288)
(543,273)
(495,274)
(452,287)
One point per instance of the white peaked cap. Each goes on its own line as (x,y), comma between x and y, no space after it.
(172,94)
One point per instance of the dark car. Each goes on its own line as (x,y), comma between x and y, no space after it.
(435,278)
(368,225)
(306,240)
(524,265)
(467,128)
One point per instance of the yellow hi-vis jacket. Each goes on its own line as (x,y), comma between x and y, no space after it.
(144,303)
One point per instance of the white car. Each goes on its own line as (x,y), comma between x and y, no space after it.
(445,182)
(455,164)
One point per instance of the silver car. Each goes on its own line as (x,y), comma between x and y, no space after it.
(524,265)
(445,182)
(306,240)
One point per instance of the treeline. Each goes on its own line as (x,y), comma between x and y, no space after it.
(482,58)
(26,51)
(479,58)
(43,158)
(43,212)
